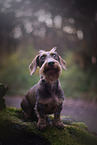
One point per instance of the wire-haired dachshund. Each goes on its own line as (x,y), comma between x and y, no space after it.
(47,96)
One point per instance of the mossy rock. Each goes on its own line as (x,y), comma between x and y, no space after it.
(13,130)
(2,104)
(3,90)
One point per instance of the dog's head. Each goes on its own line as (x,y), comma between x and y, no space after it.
(50,64)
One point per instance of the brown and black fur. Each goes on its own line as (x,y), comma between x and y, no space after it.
(46,97)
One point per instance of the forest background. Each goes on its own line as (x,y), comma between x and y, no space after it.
(27,26)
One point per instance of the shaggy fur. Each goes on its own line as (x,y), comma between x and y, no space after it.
(46,97)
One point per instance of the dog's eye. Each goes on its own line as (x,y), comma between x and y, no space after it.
(43,57)
(54,55)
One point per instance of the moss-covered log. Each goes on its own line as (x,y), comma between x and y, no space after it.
(14,130)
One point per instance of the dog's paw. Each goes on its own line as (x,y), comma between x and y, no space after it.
(59,124)
(41,125)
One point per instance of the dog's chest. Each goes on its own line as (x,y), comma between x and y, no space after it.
(50,97)
(52,100)
(51,104)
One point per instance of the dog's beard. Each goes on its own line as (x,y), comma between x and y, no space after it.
(51,73)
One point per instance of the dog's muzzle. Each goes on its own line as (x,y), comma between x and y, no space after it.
(51,69)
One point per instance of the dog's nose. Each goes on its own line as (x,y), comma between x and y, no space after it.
(51,63)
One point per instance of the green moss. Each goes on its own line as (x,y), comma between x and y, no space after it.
(15,130)
(82,137)
(80,125)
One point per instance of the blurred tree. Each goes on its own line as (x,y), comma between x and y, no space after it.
(67,24)
(87,11)
(6,27)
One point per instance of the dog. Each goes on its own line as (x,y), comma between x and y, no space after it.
(47,96)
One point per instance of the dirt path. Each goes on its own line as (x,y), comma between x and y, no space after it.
(83,111)
(79,110)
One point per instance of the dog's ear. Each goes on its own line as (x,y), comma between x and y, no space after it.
(53,49)
(34,64)
(62,62)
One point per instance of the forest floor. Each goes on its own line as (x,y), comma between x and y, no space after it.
(78,109)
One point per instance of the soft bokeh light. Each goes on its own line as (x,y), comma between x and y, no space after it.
(58,21)
(17,32)
(80,34)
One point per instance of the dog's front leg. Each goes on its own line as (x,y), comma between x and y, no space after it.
(57,121)
(41,125)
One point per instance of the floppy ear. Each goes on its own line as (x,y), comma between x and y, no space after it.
(62,62)
(34,64)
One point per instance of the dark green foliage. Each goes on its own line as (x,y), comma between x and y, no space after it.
(77,82)
(15,71)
